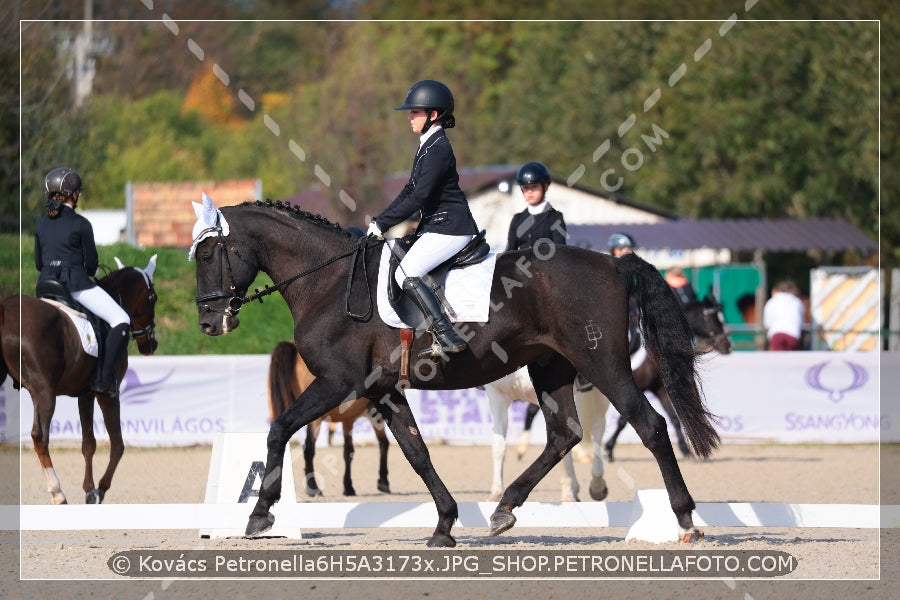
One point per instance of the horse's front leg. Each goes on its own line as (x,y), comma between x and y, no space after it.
(44,405)
(319,398)
(111,410)
(397,414)
(553,386)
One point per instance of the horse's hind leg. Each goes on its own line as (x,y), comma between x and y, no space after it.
(399,417)
(553,386)
(88,445)
(110,408)
(44,405)
(651,428)
(666,403)
(309,453)
(383,445)
(348,457)
(611,442)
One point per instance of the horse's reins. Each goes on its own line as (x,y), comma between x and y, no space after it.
(236,302)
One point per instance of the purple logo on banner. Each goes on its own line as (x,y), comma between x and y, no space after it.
(138,392)
(836,393)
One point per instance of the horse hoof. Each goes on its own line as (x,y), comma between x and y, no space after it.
(384,487)
(313,492)
(94,497)
(692,536)
(598,489)
(501,521)
(257,526)
(441,540)
(350,492)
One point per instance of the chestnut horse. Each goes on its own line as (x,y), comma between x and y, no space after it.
(560,310)
(288,378)
(49,352)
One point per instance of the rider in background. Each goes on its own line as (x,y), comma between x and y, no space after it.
(64,251)
(620,244)
(681,285)
(539,220)
(446,224)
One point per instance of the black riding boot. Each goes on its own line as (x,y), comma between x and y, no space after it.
(424,298)
(116,346)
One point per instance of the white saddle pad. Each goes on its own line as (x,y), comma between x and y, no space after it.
(82,325)
(468,290)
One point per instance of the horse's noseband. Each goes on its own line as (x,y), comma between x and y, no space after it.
(149,328)
(235,301)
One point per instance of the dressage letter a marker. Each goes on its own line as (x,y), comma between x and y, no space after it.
(257,470)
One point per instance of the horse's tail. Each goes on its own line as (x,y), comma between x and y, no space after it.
(281,378)
(669,341)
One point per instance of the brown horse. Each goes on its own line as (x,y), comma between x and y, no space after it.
(46,356)
(288,378)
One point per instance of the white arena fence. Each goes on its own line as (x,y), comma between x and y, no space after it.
(780,397)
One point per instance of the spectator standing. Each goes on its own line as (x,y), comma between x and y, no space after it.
(783,317)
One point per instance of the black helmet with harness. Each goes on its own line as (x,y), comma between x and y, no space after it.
(532,172)
(62,183)
(431,95)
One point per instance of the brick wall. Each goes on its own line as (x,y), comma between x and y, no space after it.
(160,214)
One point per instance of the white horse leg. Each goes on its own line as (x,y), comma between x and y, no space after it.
(53,486)
(568,480)
(599,404)
(498,403)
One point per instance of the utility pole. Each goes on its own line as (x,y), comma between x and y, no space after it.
(81,53)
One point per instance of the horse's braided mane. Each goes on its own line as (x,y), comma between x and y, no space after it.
(298,213)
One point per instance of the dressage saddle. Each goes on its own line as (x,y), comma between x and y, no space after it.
(473,253)
(50,289)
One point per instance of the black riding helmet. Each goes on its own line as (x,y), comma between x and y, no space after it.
(61,182)
(431,95)
(532,172)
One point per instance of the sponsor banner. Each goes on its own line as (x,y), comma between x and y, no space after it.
(785,397)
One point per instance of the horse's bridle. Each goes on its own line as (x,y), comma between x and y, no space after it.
(148,329)
(236,301)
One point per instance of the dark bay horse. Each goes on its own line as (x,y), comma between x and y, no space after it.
(53,363)
(288,379)
(559,310)
(708,327)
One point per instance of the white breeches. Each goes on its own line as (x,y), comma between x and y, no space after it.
(430,250)
(100,303)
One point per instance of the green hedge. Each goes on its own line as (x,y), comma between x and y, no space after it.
(262,325)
